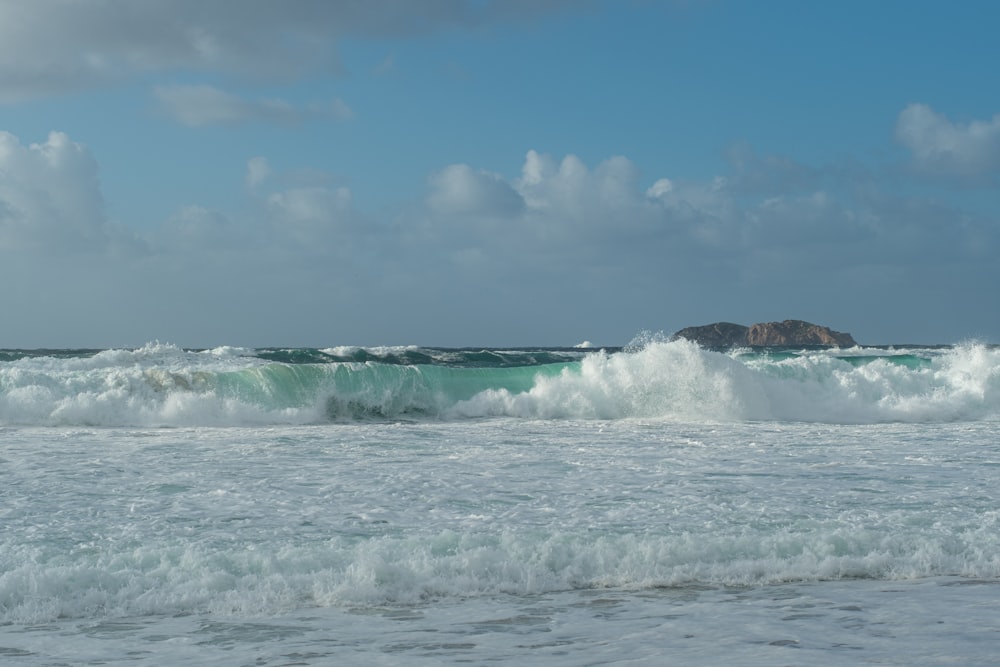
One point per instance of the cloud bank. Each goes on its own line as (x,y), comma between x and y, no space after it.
(53,47)
(544,254)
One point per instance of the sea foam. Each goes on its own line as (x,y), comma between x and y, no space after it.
(166,579)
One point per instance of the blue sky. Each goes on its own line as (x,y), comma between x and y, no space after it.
(481,172)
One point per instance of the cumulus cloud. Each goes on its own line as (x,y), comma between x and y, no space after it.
(49,195)
(566,197)
(460,190)
(562,205)
(198,105)
(54,46)
(940,145)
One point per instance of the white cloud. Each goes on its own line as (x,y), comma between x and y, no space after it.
(49,195)
(607,197)
(56,46)
(660,188)
(939,145)
(198,105)
(459,190)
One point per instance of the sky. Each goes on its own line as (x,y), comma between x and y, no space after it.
(495,172)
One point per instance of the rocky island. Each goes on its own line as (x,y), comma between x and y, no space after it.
(766,334)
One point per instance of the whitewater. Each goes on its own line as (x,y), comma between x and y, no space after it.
(653,504)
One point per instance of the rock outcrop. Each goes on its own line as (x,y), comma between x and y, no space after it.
(766,334)
(718,335)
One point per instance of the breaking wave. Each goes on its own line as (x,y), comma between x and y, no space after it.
(674,380)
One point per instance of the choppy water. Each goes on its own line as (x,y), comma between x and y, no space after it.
(663,504)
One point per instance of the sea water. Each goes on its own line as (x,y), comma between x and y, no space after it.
(659,504)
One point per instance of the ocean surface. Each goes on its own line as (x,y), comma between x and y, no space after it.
(650,505)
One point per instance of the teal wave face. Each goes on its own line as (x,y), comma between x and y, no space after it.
(357,390)
(911,361)
(421,356)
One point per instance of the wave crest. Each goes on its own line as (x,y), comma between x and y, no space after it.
(674,380)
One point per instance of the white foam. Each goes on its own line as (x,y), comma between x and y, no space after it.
(273,578)
(675,379)
(678,380)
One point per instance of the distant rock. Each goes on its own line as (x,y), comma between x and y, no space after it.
(720,334)
(796,332)
(766,334)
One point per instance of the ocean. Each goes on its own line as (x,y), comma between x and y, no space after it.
(648,505)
